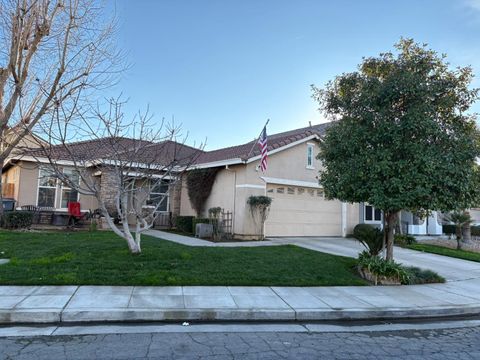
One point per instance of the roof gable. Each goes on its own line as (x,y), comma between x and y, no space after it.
(242,153)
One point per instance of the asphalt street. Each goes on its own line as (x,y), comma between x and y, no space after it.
(249,342)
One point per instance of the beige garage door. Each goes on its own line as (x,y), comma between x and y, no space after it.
(299,211)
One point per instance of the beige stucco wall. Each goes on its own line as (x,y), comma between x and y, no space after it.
(353,217)
(234,184)
(28,173)
(185,205)
(223,191)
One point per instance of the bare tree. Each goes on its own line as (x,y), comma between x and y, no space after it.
(127,165)
(51,51)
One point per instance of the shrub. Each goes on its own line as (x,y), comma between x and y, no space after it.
(17,219)
(214,212)
(184,223)
(475,230)
(392,270)
(419,276)
(404,239)
(259,201)
(383,268)
(370,237)
(449,229)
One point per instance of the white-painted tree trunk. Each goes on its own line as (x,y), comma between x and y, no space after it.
(133,243)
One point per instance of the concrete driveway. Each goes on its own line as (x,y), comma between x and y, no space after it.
(451,269)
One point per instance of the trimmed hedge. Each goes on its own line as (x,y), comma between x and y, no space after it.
(17,219)
(449,229)
(475,230)
(184,223)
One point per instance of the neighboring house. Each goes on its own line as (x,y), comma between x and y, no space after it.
(299,207)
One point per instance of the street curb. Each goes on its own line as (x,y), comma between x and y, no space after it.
(158,315)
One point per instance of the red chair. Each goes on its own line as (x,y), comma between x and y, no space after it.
(74,212)
(74,209)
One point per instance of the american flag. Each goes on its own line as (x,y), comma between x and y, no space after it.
(262,143)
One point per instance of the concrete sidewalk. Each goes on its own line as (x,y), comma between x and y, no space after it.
(71,304)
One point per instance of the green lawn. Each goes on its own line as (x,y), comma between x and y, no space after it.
(101,258)
(440,250)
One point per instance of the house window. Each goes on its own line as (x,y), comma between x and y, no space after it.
(280,190)
(310,156)
(290,191)
(372,214)
(159,196)
(47,188)
(68,194)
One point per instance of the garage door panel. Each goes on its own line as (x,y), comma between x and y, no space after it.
(301,214)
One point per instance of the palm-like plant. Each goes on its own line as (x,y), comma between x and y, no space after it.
(460,219)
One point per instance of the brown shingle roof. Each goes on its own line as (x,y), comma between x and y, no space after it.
(167,151)
(274,141)
(87,150)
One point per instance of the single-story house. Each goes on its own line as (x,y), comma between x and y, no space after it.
(299,207)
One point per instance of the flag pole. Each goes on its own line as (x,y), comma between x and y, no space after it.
(258,137)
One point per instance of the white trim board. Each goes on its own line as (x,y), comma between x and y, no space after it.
(252,186)
(300,183)
(217,163)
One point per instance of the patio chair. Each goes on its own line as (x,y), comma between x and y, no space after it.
(75,213)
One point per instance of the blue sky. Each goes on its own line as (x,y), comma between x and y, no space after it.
(222,67)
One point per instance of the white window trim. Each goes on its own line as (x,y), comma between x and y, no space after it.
(312,147)
(47,187)
(61,196)
(63,187)
(373,215)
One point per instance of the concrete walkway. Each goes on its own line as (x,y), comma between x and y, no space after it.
(71,304)
(192,241)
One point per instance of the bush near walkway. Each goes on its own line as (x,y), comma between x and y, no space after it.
(99,258)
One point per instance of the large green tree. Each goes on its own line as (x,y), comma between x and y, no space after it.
(403,139)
